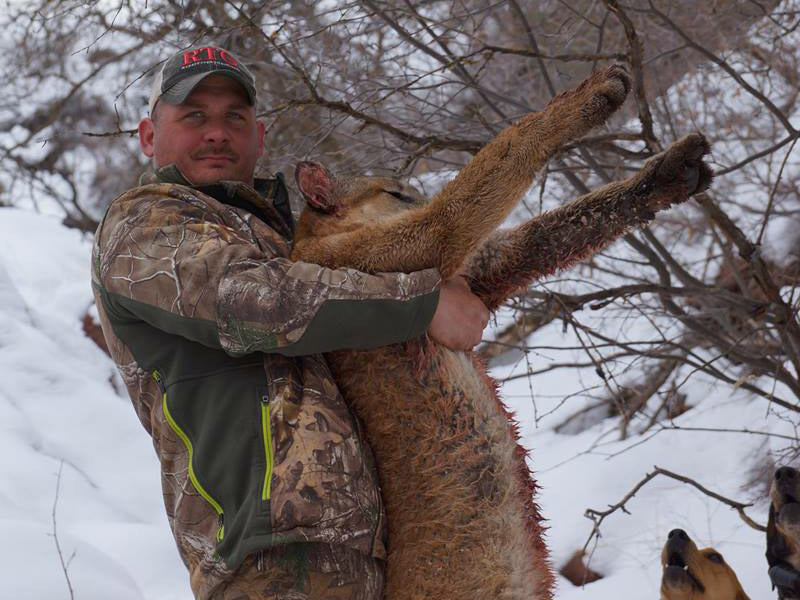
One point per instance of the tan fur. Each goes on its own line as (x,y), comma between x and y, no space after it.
(445,232)
(459,497)
(457,528)
(707,577)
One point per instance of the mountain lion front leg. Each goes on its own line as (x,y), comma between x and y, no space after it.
(512,259)
(444,233)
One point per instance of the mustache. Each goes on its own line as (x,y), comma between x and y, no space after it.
(215,151)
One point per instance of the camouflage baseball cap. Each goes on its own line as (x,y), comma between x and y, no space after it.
(182,72)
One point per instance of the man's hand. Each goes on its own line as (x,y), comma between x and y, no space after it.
(460,317)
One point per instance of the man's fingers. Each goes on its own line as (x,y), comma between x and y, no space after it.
(460,318)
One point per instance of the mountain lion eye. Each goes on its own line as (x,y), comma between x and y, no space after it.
(400,196)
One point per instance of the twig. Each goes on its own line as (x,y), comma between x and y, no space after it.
(458,67)
(727,430)
(128,132)
(431,142)
(770,106)
(789,329)
(534,46)
(64,566)
(757,155)
(636,55)
(598,516)
(404,34)
(557,57)
(774,189)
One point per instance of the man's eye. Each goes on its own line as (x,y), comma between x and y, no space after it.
(194,115)
(236,116)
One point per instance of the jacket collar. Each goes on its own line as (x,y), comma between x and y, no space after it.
(268,196)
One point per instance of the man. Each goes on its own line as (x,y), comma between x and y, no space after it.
(268,484)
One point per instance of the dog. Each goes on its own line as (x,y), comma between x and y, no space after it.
(692,574)
(783,533)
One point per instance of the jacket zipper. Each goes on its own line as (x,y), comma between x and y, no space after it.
(187,442)
(266,431)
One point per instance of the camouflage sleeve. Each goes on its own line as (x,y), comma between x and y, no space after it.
(302,308)
(169,260)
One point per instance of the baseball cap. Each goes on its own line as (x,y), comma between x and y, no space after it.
(182,72)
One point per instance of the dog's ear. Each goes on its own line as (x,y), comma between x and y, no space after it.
(317,185)
(775,542)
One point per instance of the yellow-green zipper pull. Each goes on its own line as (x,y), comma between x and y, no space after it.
(220,529)
(266,428)
(159,382)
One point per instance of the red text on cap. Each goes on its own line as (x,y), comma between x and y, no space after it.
(196,55)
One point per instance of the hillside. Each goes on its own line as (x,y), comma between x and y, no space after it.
(61,412)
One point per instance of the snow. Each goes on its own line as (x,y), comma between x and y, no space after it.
(59,411)
(596,469)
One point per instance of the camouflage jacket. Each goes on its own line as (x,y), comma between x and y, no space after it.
(218,335)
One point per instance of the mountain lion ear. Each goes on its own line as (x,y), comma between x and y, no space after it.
(316,184)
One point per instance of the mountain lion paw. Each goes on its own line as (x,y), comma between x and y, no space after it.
(677,173)
(607,90)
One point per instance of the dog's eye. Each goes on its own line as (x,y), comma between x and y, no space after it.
(716,558)
(400,196)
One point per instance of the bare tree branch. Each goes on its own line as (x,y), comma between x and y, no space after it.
(598,516)
(64,565)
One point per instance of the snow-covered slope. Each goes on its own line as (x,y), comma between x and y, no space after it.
(60,411)
(592,470)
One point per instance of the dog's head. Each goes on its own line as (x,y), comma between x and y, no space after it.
(692,574)
(783,530)
(785,488)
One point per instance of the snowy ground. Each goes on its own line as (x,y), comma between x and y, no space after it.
(59,411)
(57,404)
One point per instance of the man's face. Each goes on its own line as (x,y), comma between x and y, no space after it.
(212,136)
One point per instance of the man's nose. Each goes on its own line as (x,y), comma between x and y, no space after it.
(216,132)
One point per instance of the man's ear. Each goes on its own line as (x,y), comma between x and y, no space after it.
(147,134)
(317,185)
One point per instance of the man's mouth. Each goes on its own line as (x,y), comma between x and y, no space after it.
(217,157)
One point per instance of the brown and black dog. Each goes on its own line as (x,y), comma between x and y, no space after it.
(783,533)
(692,574)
